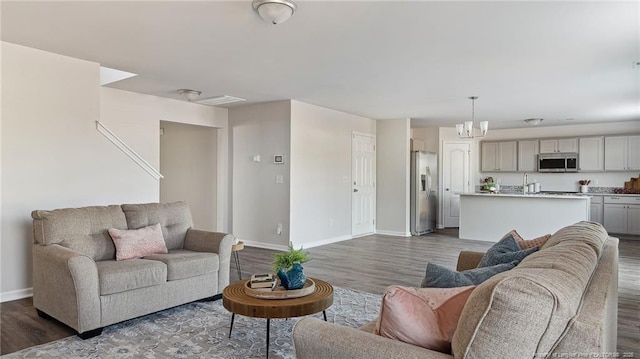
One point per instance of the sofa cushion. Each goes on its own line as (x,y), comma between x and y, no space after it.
(121,276)
(437,276)
(137,243)
(426,317)
(174,218)
(83,230)
(182,263)
(530,306)
(506,250)
(530,243)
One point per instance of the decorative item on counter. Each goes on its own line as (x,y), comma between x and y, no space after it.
(632,186)
(584,185)
(487,183)
(288,267)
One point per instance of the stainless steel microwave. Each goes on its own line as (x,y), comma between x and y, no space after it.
(558,162)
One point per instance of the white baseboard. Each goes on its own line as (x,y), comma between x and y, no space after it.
(276,247)
(322,242)
(393,233)
(363,235)
(16,294)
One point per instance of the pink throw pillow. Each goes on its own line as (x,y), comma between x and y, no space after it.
(136,243)
(425,317)
(527,244)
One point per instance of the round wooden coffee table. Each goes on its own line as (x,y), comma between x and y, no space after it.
(235,300)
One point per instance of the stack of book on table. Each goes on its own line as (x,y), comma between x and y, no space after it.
(263,281)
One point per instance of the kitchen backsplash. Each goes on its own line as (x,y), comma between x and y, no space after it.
(592,189)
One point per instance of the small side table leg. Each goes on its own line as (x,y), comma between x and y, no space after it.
(237,260)
(268,325)
(233,316)
(324,314)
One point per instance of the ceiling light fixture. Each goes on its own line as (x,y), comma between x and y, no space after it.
(189,95)
(533,121)
(465,130)
(274,11)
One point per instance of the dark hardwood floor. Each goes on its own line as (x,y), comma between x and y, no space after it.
(367,264)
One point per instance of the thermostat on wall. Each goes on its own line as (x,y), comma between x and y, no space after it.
(278,159)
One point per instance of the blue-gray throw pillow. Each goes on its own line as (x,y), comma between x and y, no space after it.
(441,277)
(505,251)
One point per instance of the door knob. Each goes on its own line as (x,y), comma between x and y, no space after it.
(446,189)
(355,190)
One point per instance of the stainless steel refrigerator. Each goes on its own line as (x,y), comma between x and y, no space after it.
(424,190)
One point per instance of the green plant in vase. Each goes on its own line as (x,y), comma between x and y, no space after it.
(288,267)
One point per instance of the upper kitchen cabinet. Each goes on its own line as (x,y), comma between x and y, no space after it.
(528,155)
(591,154)
(499,156)
(622,153)
(559,145)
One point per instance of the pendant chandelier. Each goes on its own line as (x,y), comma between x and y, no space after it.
(465,130)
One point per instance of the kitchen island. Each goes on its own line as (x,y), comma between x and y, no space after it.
(488,217)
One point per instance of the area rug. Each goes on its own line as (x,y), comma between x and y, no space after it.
(201,330)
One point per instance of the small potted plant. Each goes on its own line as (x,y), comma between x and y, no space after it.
(288,267)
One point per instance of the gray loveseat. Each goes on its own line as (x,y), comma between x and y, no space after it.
(77,280)
(561,301)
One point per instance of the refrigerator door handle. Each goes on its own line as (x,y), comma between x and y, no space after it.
(428,182)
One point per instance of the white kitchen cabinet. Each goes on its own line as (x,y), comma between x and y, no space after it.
(499,156)
(622,153)
(622,214)
(559,145)
(596,209)
(528,155)
(633,219)
(591,154)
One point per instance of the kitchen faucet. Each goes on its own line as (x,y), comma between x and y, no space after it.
(525,179)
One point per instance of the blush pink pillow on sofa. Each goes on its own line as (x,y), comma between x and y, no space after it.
(425,317)
(136,243)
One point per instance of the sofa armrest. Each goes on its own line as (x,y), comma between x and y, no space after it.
(65,286)
(214,242)
(314,338)
(468,260)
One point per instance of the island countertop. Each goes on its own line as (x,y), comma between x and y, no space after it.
(488,217)
(529,195)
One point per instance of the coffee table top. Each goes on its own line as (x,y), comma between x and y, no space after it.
(237,301)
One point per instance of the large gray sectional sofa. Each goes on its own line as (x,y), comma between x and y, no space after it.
(77,280)
(560,302)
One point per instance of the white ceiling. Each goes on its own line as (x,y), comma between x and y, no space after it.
(378,59)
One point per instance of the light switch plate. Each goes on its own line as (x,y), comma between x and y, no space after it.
(279,179)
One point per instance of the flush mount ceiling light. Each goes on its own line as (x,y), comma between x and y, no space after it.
(219,100)
(189,95)
(465,130)
(533,121)
(274,11)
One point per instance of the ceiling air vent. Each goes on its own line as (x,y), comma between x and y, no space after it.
(218,100)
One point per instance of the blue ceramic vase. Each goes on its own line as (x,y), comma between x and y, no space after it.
(294,278)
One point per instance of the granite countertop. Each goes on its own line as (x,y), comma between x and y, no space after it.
(532,195)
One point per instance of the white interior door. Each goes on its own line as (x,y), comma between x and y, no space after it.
(363,177)
(456,169)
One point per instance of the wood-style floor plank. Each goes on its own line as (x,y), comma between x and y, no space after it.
(367,264)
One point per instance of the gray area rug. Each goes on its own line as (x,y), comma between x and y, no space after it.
(201,330)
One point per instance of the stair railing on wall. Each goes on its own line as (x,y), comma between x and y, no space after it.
(128,151)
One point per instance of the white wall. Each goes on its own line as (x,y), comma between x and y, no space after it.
(392,214)
(259,203)
(136,117)
(559,181)
(53,156)
(321,173)
(189,165)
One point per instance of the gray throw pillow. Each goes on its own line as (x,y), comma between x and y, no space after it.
(441,277)
(505,251)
